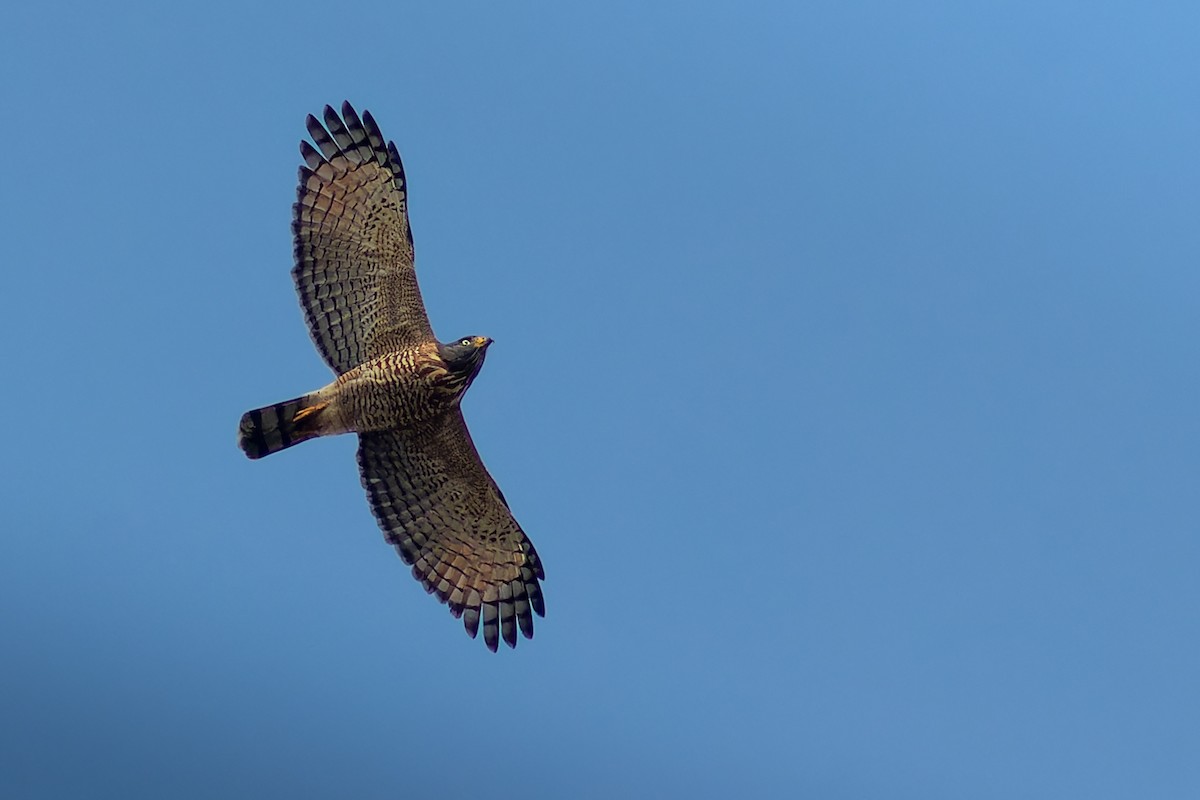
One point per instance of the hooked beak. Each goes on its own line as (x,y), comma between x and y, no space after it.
(482,341)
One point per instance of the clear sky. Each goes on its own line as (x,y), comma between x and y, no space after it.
(845,378)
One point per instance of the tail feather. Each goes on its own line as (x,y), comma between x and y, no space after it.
(270,429)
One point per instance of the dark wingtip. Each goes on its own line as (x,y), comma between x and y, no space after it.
(525,619)
(491,625)
(509,631)
(311,157)
(471,621)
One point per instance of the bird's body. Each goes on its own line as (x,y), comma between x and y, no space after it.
(397,387)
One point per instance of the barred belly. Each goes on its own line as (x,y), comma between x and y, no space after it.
(396,390)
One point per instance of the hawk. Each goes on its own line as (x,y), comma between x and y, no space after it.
(397,387)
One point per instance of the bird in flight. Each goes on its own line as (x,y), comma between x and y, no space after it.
(397,386)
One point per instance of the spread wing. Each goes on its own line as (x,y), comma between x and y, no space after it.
(354,251)
(436,502)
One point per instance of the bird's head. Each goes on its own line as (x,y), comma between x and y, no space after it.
(464,357)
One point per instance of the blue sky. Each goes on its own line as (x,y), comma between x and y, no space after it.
(845,377)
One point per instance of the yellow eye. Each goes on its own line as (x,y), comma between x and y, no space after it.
(465,342)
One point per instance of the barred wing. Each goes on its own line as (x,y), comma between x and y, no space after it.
(354,252)
(441,509)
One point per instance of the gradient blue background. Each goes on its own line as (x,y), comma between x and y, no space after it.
(845,377)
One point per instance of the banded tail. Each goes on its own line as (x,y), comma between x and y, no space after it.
(277,427)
